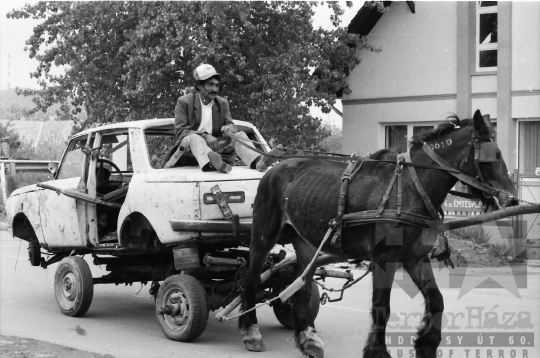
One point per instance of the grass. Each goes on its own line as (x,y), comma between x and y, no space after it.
(476,234)
(500,252)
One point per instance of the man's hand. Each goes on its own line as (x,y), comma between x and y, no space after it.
(212,142)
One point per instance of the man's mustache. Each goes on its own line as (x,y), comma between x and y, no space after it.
(212,92)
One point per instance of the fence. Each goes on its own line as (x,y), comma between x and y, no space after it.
(529,225)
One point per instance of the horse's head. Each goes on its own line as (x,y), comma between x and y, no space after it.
(468,146)
(483,161)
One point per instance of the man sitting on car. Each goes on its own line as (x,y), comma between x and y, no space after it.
(201,118)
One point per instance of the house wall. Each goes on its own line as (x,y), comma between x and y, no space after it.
(526,46)
(413,78)
(410,59)
(427,70)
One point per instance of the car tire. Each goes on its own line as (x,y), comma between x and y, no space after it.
(34,252)
(73,286)
(181,308)
(283,311)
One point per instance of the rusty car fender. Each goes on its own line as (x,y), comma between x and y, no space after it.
(18,205)
(158,203)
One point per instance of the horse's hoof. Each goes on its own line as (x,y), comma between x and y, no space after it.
(253,339)
(310,344)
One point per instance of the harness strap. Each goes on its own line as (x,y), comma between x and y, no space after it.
(427,202)
(371,216)
(398,173)
(461,176)
(346,178)
(387,194)
(399,194)
(476,156)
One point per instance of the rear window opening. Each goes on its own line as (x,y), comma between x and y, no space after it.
(160,142)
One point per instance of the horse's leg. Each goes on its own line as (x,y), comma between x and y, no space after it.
(264,237)
(383,277)
(429,335)
(305,334)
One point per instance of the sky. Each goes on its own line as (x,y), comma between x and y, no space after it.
(16,66)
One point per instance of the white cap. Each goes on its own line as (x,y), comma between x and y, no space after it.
(204,72)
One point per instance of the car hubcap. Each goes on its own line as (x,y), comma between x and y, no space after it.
(69,290)
(179,310)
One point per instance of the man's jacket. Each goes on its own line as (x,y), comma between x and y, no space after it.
(187,115)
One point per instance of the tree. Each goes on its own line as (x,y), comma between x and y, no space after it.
(12,112)
(131,60)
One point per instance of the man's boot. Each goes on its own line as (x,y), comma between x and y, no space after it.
(218,163)
(263,162)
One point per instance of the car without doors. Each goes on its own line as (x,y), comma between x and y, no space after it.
(115,197)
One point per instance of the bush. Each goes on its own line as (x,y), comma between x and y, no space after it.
(475,234)
(49,149)
(20,180)
(332,143)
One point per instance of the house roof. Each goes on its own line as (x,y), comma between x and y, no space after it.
(367,17)
(36,132)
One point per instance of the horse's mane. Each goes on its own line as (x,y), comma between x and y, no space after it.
(380,153)
(443,128)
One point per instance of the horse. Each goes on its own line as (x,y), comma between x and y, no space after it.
(298,197)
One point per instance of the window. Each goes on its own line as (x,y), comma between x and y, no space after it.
(486,36)
(421,129)
(529,148)
(158,146)
(396,137)
(71,166)
(115,147)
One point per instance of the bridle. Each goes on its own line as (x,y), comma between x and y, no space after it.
(484,152)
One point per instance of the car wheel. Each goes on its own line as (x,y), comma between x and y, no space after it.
(181,308)
(73,286)
(283,311)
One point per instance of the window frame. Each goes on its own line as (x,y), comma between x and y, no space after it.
(387,134)
(484,47)
(70,148)
(410,129)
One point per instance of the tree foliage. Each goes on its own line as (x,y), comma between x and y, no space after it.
(127,61)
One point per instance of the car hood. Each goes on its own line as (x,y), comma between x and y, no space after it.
(195,174)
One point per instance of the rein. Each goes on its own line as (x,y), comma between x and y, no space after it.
(442,164)
(342,158)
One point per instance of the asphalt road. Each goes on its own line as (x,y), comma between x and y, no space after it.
(122,323)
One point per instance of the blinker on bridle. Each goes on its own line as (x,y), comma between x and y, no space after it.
(484,152)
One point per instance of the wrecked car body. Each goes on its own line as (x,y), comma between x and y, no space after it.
(183,230)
